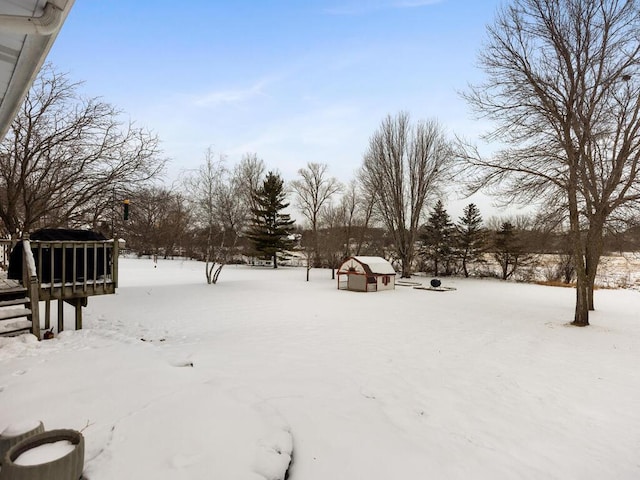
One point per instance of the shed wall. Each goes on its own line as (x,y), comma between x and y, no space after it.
(358,283)
(390,283)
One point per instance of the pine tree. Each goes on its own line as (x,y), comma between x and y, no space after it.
(437,239)
(270,229)
(470,238)
(508,249)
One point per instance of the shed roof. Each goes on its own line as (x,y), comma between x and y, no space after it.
(375,265)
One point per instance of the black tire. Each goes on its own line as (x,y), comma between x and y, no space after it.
(7,442)
(67,467)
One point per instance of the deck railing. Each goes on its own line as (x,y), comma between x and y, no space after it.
(5,250)
(70,269)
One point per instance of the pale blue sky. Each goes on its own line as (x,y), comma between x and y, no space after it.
(293,81)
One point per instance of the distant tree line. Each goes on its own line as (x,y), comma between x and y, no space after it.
(165,223)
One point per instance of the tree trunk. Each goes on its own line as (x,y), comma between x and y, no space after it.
(275,260)
(581,317)
(208,254)
(406,258)
(316,249)
(593,252)
(217,273)
(207,271)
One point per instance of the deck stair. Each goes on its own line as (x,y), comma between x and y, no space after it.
(16,315)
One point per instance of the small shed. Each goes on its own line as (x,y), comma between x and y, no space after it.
(366,274)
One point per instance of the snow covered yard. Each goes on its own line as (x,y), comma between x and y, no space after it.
(173,378)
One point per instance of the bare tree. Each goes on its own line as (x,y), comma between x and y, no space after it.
(64,155)
(333,234)
(357,205)
(158,221)
(563,85)
(249,175)
(219,210)
(313,191)
(143,228)
(175,224)
(403,167)
(342,228)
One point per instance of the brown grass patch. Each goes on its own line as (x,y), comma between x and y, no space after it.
(557,283)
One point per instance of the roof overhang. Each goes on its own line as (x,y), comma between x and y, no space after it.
(28,29)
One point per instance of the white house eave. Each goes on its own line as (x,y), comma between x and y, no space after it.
(25,42)
(46,24)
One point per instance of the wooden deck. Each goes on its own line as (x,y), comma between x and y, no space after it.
(66,271)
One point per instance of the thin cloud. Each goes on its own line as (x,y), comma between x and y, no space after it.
(363,7)
(319,133)
(415,3)
(239,95)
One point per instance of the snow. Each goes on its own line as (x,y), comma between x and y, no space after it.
(31,262)
(174,378)
(45,453)
(19,428)
(375,264)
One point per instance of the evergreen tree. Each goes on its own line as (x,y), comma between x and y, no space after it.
(470,238)
(270,229)
(508,249)
(437,239)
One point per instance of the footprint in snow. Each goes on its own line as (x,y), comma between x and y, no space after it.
(17,373)
(182,363)
(274,454)
(367,394)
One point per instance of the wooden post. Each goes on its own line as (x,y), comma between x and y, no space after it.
(35,306)
(84,268)
(60,315)
(115,252)
(30,283)
(78,305)
(47,315)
